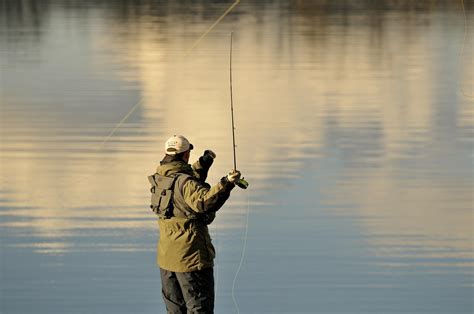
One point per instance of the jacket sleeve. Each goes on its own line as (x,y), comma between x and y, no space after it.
(201,168)
(204,199)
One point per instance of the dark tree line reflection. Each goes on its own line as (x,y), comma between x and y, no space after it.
(23,22)
(32,13)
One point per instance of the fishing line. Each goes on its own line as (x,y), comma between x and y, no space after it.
(140,101)
(241,183)
(132,110)
(242,256)
(216,241)
(121,122)
(195,44)
(212,26)
(461,87)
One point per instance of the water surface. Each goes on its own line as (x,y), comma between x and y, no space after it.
(354,128)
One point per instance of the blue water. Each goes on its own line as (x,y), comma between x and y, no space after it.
(354,125)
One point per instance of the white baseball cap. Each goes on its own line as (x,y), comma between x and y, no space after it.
(177,144)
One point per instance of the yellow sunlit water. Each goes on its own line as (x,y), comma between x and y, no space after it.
(354,130)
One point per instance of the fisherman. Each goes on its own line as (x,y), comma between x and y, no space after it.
(186,205)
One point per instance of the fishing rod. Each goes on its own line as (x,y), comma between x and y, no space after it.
(241,183)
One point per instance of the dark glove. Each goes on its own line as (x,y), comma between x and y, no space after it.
(207,159)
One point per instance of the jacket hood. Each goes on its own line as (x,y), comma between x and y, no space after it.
(166,169)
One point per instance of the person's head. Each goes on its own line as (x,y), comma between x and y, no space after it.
(178,148)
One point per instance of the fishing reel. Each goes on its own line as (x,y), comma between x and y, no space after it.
(242,183)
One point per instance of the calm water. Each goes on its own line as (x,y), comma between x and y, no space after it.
(354,128)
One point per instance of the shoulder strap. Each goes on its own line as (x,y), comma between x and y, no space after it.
(182,209)
(152,181)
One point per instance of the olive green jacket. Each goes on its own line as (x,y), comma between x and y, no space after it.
(185,244)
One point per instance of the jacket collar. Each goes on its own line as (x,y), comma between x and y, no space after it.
(168,168)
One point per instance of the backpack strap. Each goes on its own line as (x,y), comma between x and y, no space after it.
(182,209)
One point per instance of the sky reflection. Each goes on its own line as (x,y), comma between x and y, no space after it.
(365,93)
(352,130)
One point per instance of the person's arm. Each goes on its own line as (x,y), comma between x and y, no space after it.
(202,166)
(203,199)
